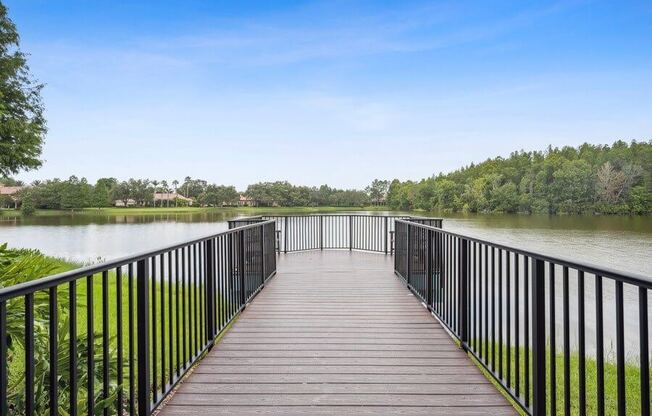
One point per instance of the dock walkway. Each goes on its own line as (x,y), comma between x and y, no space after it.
(336,333)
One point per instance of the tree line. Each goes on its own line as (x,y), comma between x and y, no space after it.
(77,193)
(605,179)
(593,179)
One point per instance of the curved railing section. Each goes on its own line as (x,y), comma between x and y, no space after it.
(361,232)
(116,337)
(560,336)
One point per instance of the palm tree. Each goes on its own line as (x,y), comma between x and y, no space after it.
(186,182)
(175,183)
(155,183)
(166,189)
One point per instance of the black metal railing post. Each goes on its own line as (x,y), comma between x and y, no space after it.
(241,267)
(463,292)
(3,362)
(538,338)
(644,348)
(385,233)
(277,240)
(209,259)
(408,252)
(350,232)
(142,318)
(262,256)
(429,269)
(321,232)
(285,236)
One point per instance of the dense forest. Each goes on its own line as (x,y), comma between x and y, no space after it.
(614,179)
(589,179)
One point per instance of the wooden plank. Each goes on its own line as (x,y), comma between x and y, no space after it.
(310,353)
(174,410)
(335,335)
(345,341)
(341,361)
(339,347)
(456,368)
(440,400)
(320,388)
(243,378)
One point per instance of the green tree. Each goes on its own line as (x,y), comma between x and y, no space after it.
(121,191)
(22,124)
(27,206)
(218,195)
(101,194)
(506,198)
(572,187)
(141,191)
(377,191)
(75,193)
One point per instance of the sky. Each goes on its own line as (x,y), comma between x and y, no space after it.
(336,92)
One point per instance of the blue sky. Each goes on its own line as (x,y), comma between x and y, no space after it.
(336,92)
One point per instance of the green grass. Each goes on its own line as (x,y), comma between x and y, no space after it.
(12,213)
(632,381)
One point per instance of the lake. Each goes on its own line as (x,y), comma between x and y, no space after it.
(623,243)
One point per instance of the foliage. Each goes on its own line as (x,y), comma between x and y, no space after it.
(27,207)
(218,195)
(101,192)
(22,124)
(18,266)
(192,188)
(377,191)
(282,193)
(614,179)
(6,201)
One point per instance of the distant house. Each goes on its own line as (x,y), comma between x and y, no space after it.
(11,192)
(121,203)
(160,198)
(246,201)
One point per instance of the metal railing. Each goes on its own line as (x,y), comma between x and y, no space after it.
(115,338)
(518,312)
(335,232)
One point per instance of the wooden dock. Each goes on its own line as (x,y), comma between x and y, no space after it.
(336,333)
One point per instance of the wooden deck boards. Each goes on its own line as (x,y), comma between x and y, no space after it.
(336,333)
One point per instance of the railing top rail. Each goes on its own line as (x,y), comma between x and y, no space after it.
(345,215)
(251,218)
(626,277)
(65,277)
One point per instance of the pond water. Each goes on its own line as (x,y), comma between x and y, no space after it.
(623,243)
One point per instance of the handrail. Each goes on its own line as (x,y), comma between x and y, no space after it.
(501,303)
(64,277)
(336,231)
(181,297)
(627,277)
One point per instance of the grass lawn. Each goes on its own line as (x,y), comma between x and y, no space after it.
(632,382)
